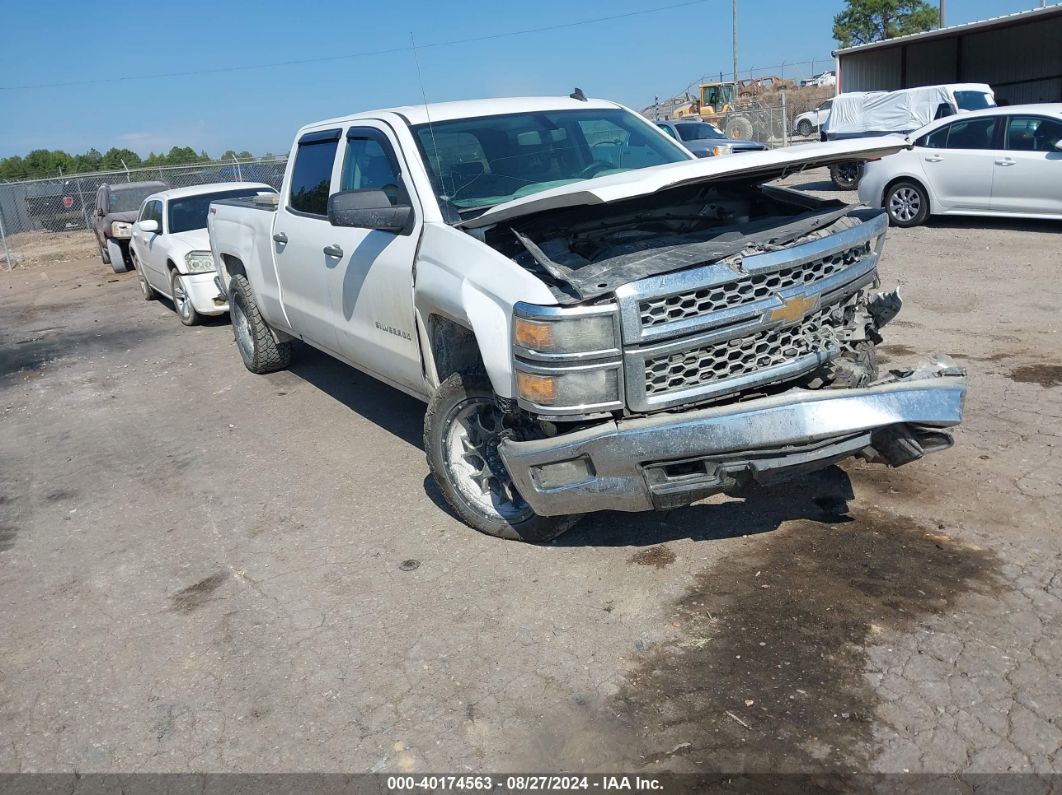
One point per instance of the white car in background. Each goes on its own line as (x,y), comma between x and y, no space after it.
(1002,161)
(170,247)
(807,123)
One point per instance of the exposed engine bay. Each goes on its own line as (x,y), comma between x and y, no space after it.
(588,251)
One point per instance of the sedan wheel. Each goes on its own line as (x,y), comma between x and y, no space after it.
(182,302)
(907,204)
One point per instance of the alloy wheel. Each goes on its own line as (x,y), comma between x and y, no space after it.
(471,448)
(905,203)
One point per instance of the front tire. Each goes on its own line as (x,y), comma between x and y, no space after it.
(906,203)
(116,256)
(804,128)
(261,353)
(846,176)
(462,429)
(146,290)
(182,301)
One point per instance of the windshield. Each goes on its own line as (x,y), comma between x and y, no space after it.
(129,199)
(191,212)
(974,100)
(476,163)
(698,132)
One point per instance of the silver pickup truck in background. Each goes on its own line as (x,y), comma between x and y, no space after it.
(596,319)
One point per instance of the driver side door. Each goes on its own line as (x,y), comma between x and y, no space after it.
(371,279)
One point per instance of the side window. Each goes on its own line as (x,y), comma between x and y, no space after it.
(667,129)
(155,213)
(370,164)
(938,139)
(1032,134)
(826,105)
(144,212)
(311,176)
(972,134)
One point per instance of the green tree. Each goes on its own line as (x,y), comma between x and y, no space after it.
(114,158)
(864,21)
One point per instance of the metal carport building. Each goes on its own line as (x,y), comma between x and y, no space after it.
(1019,55)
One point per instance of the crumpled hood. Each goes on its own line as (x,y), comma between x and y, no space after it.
(762,166)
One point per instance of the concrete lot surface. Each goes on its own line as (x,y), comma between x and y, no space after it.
(202,569)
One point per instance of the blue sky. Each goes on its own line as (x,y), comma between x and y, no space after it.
(259,107)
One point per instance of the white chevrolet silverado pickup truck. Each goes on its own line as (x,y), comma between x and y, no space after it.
(597,319)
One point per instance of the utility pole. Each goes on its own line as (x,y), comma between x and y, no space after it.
(733,8)
(941,24)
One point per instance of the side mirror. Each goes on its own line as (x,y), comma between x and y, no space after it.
(149,226)
(368,209)
(1058,145)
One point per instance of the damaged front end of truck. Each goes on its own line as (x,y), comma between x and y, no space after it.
(710,334)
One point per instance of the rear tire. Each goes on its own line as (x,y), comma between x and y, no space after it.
(260,351)
(116,256)
(739,128)
(461,433)
(906,203)
(846,176)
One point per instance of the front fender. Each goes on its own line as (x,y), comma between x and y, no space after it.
(460,278)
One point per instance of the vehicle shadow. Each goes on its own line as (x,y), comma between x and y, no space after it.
(1035,225)
(819,496)
(820,185)
(392,410)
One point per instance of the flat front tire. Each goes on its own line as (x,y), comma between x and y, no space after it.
(462,429)
(260,351)
(116,256)
(906,203)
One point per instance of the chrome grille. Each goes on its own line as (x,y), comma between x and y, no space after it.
(671,308)
(754,353)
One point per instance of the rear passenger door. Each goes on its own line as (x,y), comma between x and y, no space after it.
(1028,171)
(301,232)
(958,160)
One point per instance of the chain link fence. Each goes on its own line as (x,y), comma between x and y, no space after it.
(57,215)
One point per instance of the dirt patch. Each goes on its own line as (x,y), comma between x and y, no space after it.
(768,675)
(659,556)
(1046,375)
(195,596)
(40,248)
(7,537)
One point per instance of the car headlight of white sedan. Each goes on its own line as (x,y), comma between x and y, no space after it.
(121,229)
(199,261)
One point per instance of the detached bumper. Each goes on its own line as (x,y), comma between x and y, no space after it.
(206,298)
(670,460)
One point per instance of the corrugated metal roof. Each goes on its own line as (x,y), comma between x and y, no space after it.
(1018,17)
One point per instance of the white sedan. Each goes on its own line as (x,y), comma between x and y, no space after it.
(1004,162)
(170,247)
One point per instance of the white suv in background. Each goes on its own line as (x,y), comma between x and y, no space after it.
(1004,161)
(806,123)
(170,247)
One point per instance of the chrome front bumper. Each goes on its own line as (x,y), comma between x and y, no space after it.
(673,459)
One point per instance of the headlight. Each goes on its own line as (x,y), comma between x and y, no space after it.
(550,333)
(589,388)
(121,229)
(199,261)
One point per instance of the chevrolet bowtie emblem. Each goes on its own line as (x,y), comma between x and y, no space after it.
(795,308)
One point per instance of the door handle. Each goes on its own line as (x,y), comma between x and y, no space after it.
(934,159)
(280,237)
(333,250)
(1005,162)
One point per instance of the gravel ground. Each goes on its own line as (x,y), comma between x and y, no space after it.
(202,569)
